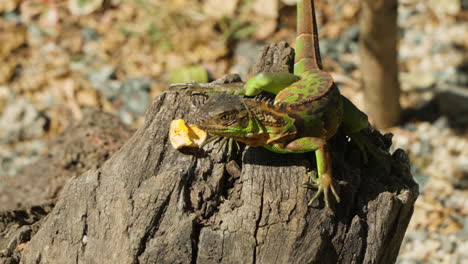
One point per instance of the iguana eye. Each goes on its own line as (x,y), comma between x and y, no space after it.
(227,119)
(228,116)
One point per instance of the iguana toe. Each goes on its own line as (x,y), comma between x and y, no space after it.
(323,184)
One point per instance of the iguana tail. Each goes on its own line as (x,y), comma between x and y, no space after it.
(307,45)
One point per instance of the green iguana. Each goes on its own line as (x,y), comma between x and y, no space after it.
(307,110)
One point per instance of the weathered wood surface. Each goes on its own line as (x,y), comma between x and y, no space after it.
(152,204)
(26,198)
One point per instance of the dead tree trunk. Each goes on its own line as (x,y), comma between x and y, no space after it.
(378,46)
(152,204)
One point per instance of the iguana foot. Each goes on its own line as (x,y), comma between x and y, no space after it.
(231,144)
(225,141)
(324,184)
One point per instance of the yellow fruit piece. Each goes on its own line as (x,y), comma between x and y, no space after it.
(197,135)
(183,136)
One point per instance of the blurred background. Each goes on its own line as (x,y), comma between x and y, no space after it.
(58,57)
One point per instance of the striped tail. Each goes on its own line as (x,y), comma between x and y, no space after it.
(307,45)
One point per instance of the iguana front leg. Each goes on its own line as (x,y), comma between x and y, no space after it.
(324,181)
(229,88)
(262,82)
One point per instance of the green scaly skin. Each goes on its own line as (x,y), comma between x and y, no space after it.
(307,110)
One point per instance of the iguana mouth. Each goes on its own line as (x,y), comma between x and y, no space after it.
(208,125)
(251,138)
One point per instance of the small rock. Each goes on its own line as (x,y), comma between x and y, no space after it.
(245,54)
(17,156)
(452,74)
(219,9)
(417,235)
(329,48)
(463,234)
(99,77)
(265,29)
(420,177)
(125,116)
(349,10)
(352,33)
(441,123)
(445,7)
(9,5)
(135,94)
(21,121)
(266,8)
(463,163)
(90,34)
(410,126)
(418,79)
(87,97)
(79,7)
(13,17)
(448,246)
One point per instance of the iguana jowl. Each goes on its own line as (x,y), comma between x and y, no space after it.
(307,110)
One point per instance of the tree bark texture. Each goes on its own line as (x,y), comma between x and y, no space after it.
(150,203)
(26,198)
(378,46)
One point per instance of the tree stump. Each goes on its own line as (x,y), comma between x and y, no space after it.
(150,203)
(26,198)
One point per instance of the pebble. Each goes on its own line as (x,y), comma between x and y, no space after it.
(13,17)
(246,53)
(417,235)
(87,97)
(420,178)
(14,157)
(441,123)
(90,34)
(418,80)
(21,121)
(125,116)
(135,95)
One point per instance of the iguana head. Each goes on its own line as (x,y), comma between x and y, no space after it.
(250,121)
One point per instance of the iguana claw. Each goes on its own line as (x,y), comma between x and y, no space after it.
(323,184)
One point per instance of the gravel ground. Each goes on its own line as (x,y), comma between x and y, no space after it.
(54,68)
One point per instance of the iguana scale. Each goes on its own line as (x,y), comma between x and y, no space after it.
(307,110)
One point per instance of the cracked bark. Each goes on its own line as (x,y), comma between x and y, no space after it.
(152,204)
